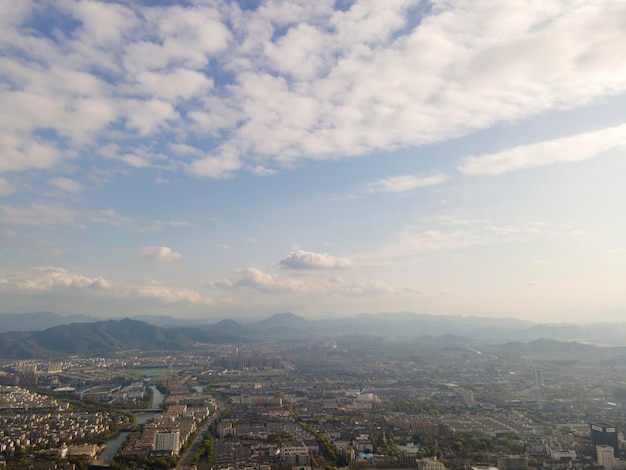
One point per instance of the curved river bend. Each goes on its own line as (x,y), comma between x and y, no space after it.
(114,444)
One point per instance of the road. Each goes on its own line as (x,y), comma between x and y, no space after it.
(184,461)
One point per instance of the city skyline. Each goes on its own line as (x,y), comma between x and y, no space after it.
(212,159)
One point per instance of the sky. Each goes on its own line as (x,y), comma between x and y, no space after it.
(233,159)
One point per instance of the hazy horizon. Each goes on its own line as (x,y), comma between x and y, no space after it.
(215,159)
(245,319)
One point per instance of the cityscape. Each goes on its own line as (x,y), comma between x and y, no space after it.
(344,401)
(312,234)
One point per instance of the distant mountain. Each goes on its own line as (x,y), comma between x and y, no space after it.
(396,325)
(600,333)
(286,320)
(399,325)
(232,328)
(167,321)
(103,337)
(411,325)
(38,321)
(544,346)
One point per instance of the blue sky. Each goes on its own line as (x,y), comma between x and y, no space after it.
(215,159)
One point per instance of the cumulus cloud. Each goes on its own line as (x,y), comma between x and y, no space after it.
(22,151)
(265,282)
(300,259)
(574,148)
(53,280)
(398,184)
(323,83)
(172,295)
(477,67)
(256,279)
(50,279)
(159,253)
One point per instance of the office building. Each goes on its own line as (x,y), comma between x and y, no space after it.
(606,458)
(603,434)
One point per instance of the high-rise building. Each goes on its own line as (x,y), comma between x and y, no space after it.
(603,434)
(538,378)
(167,441)
(606,458)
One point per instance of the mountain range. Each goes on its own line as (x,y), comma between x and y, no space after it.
(102,338)
(46,333)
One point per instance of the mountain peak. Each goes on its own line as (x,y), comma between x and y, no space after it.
(286,319)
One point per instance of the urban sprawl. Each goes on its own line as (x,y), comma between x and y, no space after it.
(358,402)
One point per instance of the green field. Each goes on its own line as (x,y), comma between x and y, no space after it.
(151,372)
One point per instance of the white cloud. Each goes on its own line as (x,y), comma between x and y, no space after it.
(188,37)
(257,279)
(51,279)
(59,281)
(182,83)
(159,253)
(110,217)
(467,66)
(300,53)
(184,149)
(217,166)
(102,23)
(148,116)
(67,184)
(564,150)
(172,295)
(20,153)
(300,259)
(259,89)
(38,215)
(221,284)
(397,184)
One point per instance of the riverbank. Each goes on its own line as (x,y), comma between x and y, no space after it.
(112,445)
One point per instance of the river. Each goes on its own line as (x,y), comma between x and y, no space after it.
(157,397)
(111,447)
(113,444)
